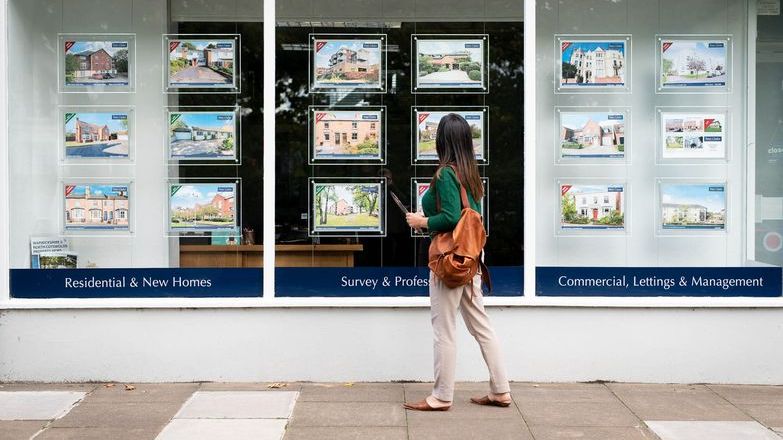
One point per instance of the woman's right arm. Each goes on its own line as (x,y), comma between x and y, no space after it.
(447,189)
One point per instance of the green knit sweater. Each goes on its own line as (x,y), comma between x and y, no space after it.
(447,188)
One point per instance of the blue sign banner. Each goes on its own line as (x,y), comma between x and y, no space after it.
(764,282)
(137,283)
(354,282)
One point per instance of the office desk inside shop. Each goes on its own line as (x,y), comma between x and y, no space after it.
(286,255)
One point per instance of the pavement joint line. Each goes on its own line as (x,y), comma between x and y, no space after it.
(524,420)
(769,428)
(407,424)
(642,423)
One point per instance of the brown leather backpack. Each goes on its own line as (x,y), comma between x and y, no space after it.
(456,256)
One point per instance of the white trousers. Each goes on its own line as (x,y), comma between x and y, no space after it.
(444,303)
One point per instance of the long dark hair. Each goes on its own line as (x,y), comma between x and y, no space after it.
(454,145)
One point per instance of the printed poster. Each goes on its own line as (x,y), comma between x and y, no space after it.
(592,207)
(347,63)
(592,64)
(592,134)
(202,63)
(96,63)
(450,63)
(693,135)
(693,206)
(693,63)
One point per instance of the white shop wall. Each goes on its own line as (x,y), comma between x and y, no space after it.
(641,245)
(35,171)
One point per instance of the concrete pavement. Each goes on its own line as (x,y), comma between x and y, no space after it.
(339,411)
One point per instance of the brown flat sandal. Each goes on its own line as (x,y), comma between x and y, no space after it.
(424,406)
(489,402)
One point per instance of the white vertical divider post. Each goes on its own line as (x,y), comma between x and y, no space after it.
(529,153)
(751,201)
(269,149)
(5,215)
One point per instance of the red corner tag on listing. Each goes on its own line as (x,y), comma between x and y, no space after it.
(319,116)
(666,45)
(423,188)
(422,117)
(69,45)
(564,189)
(319,45)
(564,45)
(173,45)
(708,122)
(69,189)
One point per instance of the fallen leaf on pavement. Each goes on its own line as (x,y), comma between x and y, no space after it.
(109,385)
(348,384)
(277,385)
(129,387)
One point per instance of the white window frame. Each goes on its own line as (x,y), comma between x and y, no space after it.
(268,299)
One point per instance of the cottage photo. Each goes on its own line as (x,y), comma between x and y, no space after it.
(592,63)
(592,135)
(349,135)
(57,260)
(693,135)
(346,62)
(450,63)
(96,135)
(427,120)
(693,63)
(96,63)
(202,207)
(97,207)
(202,63)
(347,207)
(592,206)
(205,135)
(693,206)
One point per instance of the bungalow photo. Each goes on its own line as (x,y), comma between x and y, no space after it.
(693,135)
(347,63)
(586,134)
(346,134)
(592,206)
(347,207)
(201,63)
(97,207)
(450,63)
(427,130)
(586,63)
(96,135)
(202,135)
(202,207)
(693,206)
(693,63)
(96,63)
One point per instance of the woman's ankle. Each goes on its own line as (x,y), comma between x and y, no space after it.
(437,403)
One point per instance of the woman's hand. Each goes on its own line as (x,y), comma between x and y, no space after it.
(416,220)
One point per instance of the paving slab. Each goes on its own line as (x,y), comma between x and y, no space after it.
(750,394)
(769,415)
(348,414)
(346,433)
(712,430)
(238,405)
(170,392)
(20,429)
(578,414)
(36,386)
(130,415)
(143,433)
(224,429)
(362,392)
(461,408)
(592,433)
(467,429)
(37,405)
(676,402)
(566,392)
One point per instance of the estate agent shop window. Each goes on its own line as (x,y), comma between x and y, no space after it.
(637,159)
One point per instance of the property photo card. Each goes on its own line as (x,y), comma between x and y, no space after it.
(425,129)
(696,135)
(96,133)
(692,206)
(586,134)
(693,63)
(450,63)
(347,207)
(96,206)
(203,135)
(202,207)
(600,63)
(347,62)
(594,207)
(202,63)
(96,63)
(347,135)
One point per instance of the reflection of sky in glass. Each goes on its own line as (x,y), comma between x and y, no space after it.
(441,47)
(207,119)
(98,190)
(190,195)
(587,46)
(92,46)
(578,120)
(332,46)
(695,194)
(97,119)
(679,48)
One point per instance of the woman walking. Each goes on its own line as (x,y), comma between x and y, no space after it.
(442,205)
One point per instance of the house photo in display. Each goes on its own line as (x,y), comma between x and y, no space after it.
(207,135)
(96,63)
(693,135)
(693,206)
(588,134)
(591,63)
(202,63)
(202,207)
(427,121)
(346,134)
(96,135)
(455,63)
(97,207)
(693,63)
(347,207)
(347,63)
(592,206)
